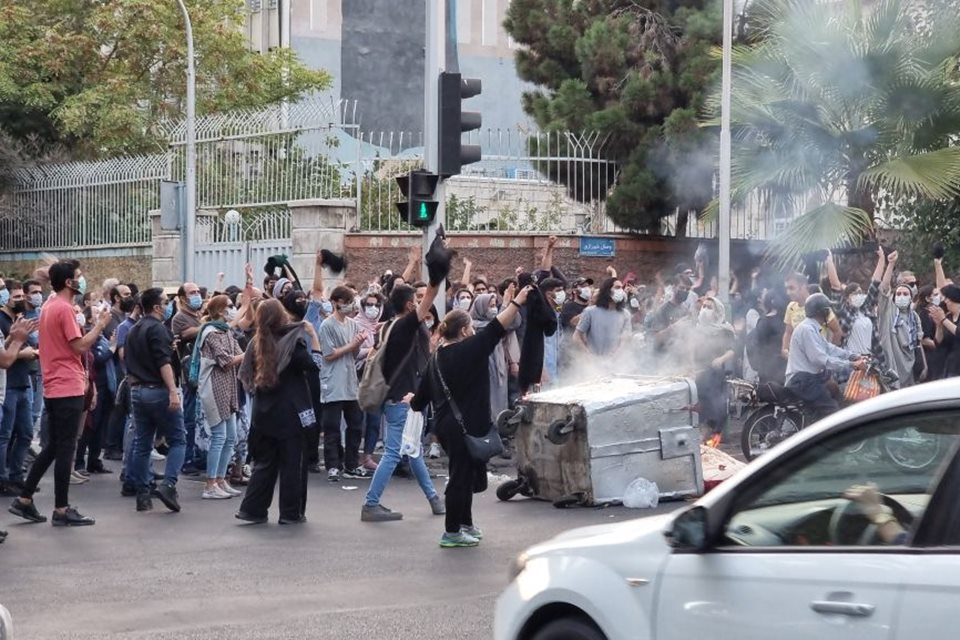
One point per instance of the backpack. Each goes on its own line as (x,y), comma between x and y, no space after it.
(191,363)
(374,386)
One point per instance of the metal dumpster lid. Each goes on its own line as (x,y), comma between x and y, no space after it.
(608,391)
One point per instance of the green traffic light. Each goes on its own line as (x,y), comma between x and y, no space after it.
(424,214)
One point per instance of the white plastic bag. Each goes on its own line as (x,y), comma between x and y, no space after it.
(412,434)
(641,494)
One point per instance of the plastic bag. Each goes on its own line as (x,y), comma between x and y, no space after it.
(862,386)
(412,434)
(641,494)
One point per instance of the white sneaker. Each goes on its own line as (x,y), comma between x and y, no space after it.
(76,478)
(333,475)
(216,493)
(156,455)
(226,488)
(434,451)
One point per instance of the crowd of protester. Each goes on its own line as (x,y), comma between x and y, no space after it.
(258,386)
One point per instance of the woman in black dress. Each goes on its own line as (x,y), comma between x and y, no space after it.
(461,362)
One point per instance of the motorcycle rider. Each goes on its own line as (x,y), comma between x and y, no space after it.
(812,359)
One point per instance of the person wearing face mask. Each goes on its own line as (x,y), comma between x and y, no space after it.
(604,327)
(555,295)
(485,310)
(458,369)
(341,339)
(899,324)
(947,323)
(464,300)
(216,357)
(581,294)
(929,304)
(371,310)
(712,347)
(185,326)
(62,345)
(318,307)
(661,322)
(16,427)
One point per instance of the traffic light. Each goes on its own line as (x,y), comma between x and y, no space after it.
(417,187)
(454,121)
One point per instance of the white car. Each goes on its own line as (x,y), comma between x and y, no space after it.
(777,551)
(6,624)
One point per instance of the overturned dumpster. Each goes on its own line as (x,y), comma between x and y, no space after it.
(584,444)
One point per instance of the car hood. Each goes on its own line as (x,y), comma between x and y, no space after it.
(640,535)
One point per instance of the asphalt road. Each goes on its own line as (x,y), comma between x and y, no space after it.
(202,574)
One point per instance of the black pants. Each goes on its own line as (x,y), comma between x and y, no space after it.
(334,454)
(467,476)
(91,440)
(63,416)
(284,458)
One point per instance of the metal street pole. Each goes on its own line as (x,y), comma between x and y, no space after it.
(434,63)
(189,224)
(725,155)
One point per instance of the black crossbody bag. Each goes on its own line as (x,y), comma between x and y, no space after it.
(480,449)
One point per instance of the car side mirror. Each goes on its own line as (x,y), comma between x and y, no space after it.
(688,531)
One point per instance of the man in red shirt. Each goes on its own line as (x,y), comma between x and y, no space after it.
(64,386)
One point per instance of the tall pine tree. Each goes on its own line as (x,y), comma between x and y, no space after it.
(637,72)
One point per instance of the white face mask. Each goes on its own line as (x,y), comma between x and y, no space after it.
(345,309)
(560,297)
(634,303)
(857,300)
(231,314)
(708,316)
(586,293)
(901,301)
(464,304)
(492,313)
(372,312)
(618,295)
(936,300)
(81,320)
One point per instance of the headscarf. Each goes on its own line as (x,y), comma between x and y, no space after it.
(278,287)
(478,312)
(721,312)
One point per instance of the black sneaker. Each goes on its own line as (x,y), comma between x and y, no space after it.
(98,469)
(144,502)
(8,490)
(127,491)
(190,472)
(71,518)
(300,520)
(246,517)
(168,496)
(26,511)
(357,474)
(113,454)
(3,536)
(315,468)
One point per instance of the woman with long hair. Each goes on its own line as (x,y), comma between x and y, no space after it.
(928,302)
(604,326)
(485,310)
(280,369)
(460,367)
(218,354)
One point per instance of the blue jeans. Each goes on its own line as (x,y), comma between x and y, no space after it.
(16,432)
(396,416)
(222,439)
(371,431)
(152,417)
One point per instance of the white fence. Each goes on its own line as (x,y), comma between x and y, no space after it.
(225,245)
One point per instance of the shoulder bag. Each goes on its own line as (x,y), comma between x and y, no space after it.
(482,448)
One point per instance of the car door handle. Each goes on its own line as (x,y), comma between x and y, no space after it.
(852,609)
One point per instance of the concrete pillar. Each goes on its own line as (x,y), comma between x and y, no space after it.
(166,263)
(315,225)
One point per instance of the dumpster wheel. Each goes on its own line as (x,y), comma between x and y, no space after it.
(560,431)
(567,501)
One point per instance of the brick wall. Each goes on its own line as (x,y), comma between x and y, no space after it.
(496,256)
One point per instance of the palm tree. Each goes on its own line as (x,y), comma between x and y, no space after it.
(843,111)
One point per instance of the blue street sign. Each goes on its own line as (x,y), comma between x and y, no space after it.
(598,247)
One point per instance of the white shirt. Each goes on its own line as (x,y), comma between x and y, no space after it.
(860,339)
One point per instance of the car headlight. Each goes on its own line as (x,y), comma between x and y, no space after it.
(517,566)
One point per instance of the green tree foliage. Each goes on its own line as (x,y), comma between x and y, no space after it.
(638,72)
(845,110)
(94,76)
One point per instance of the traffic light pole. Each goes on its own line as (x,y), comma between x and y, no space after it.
(435,62)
